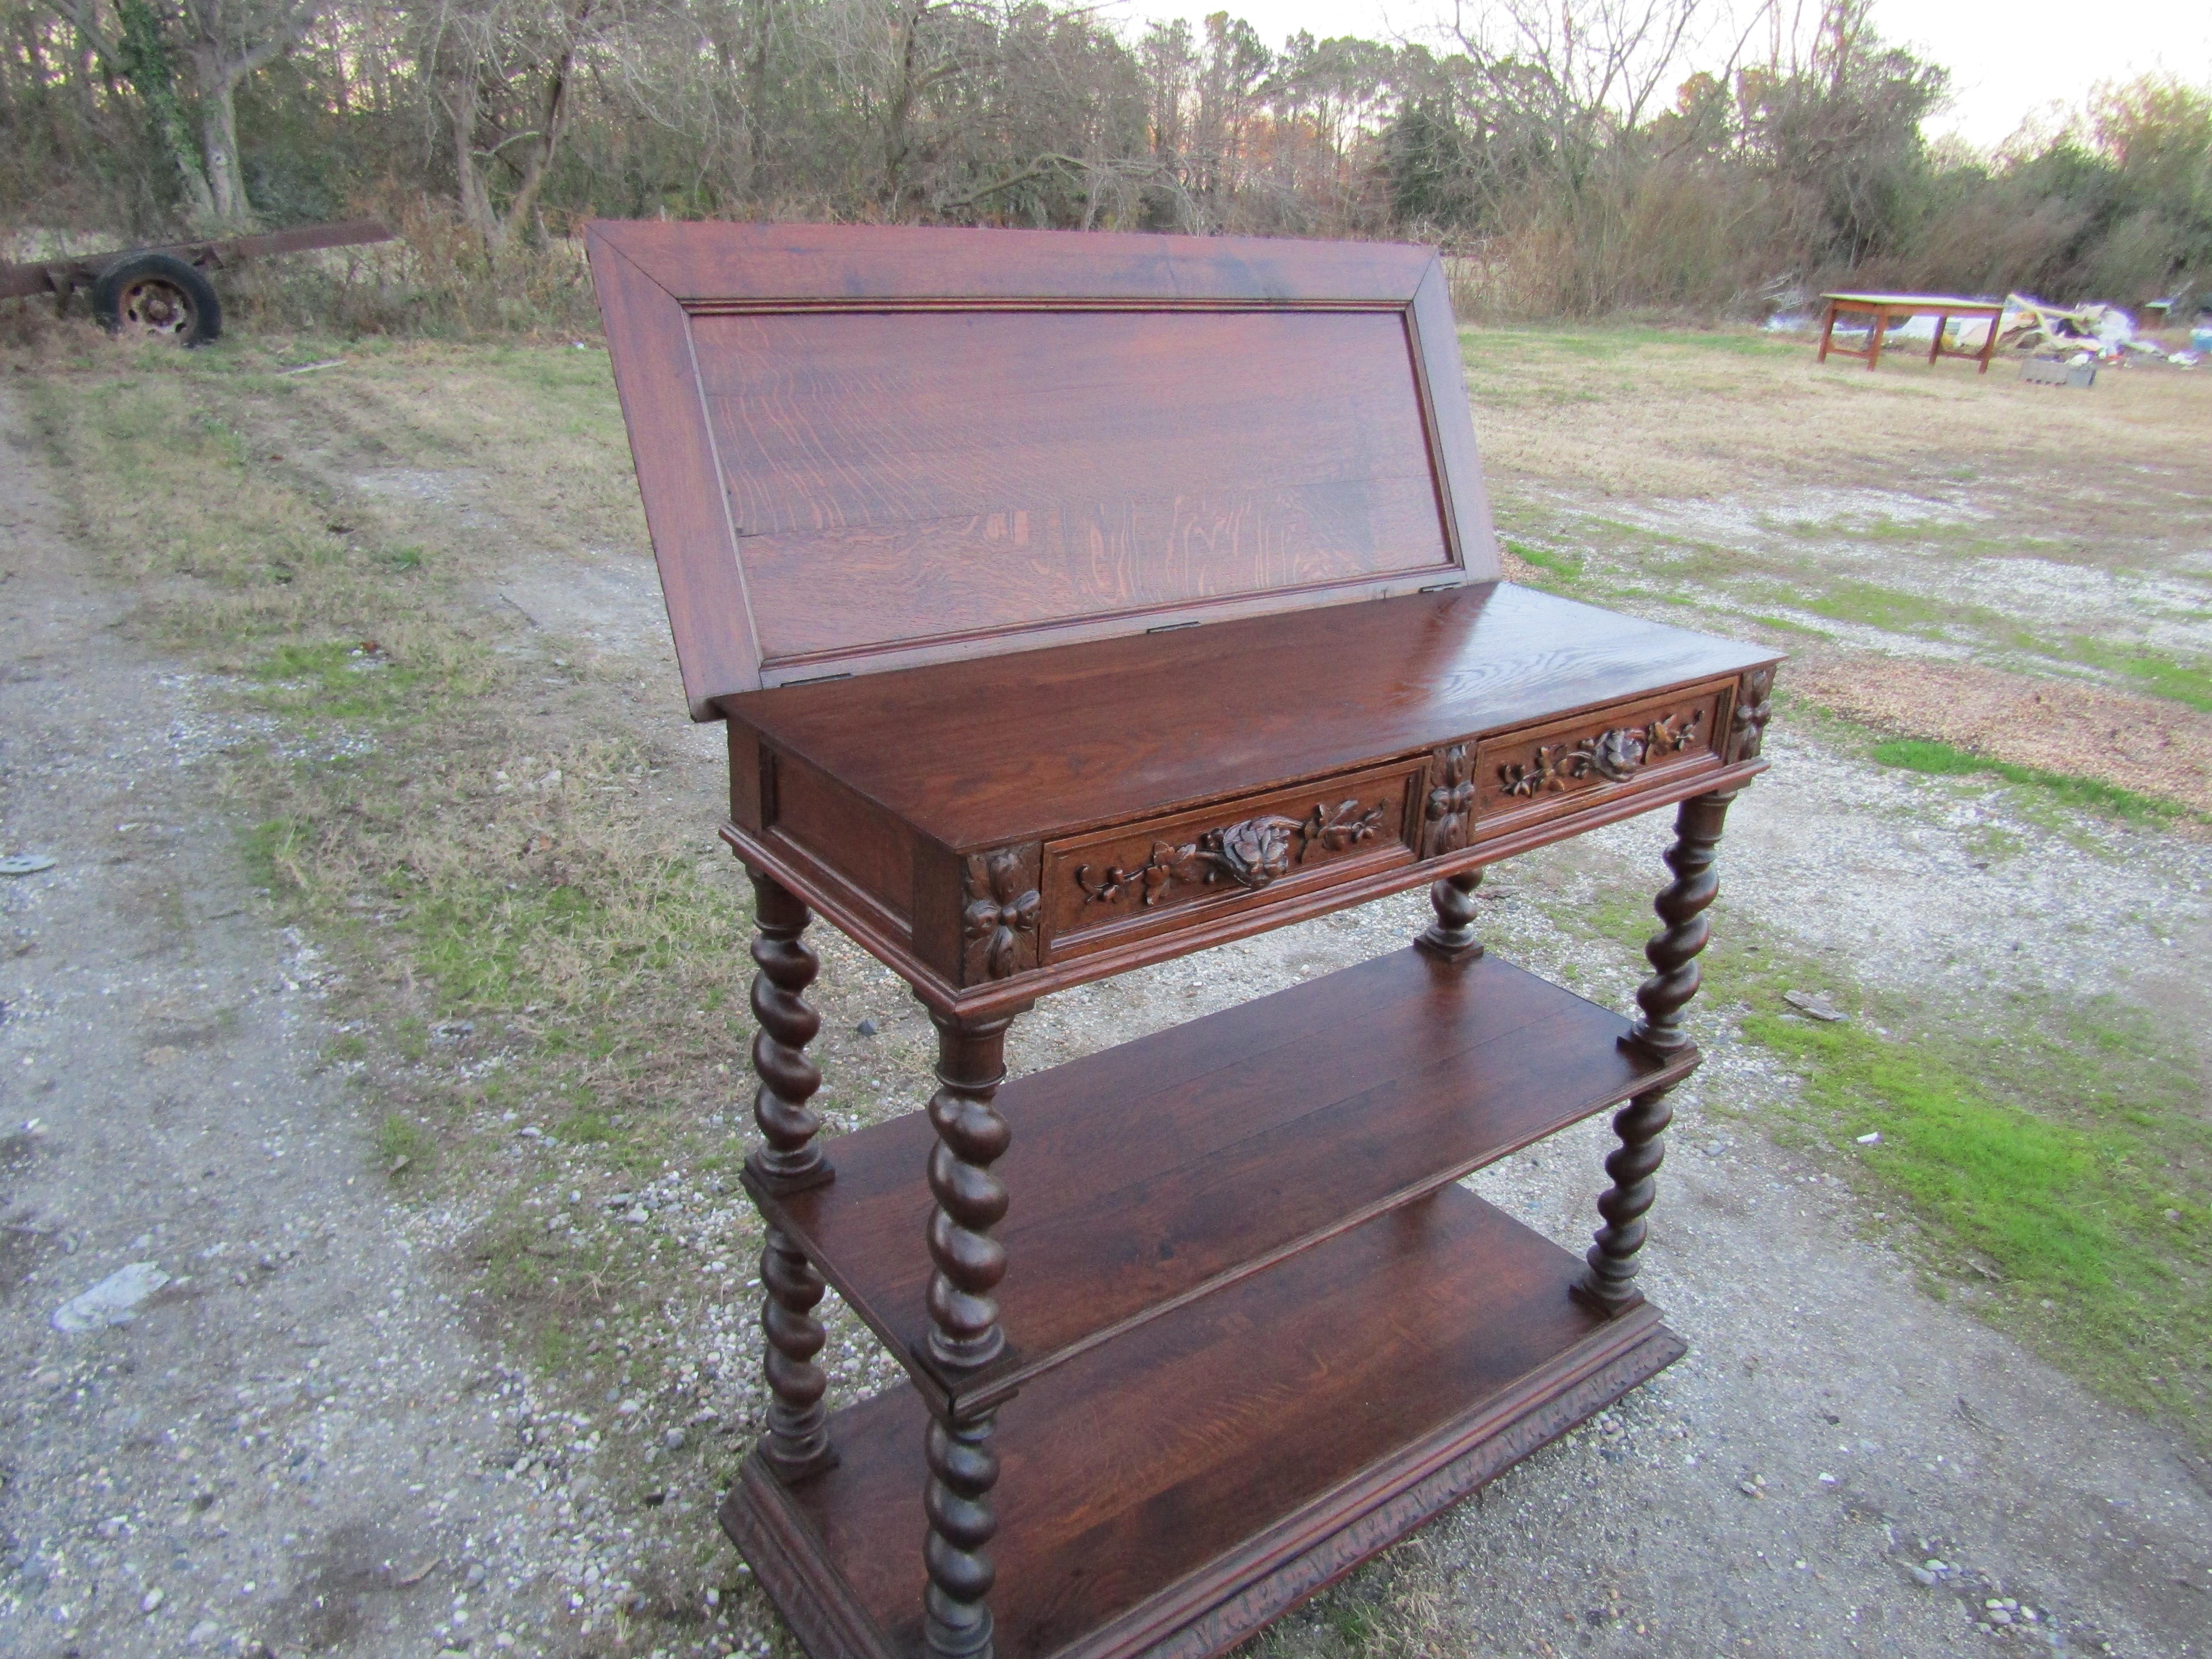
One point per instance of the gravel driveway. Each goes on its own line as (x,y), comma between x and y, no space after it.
(303,1441)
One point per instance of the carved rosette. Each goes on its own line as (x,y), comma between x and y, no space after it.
(999,919)
(1754,706)
(1447,814)
(1250,854)
(1614,755)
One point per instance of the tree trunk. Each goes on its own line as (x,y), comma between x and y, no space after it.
(897,140)
(558,103)
(218,140)
(462,101)
(144,61)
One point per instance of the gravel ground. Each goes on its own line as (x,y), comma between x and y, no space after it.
(304,1441)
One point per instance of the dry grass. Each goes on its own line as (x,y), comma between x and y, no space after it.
(1644,414)
(2141,744)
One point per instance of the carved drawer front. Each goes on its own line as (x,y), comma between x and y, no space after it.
(1528,774)
(1110,885)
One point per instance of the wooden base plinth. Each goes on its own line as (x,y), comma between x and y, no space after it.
(1174,1490)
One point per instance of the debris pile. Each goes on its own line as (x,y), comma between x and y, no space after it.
(2078,335)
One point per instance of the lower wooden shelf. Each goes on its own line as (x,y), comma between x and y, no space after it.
(1154,1173)
(1173,1490)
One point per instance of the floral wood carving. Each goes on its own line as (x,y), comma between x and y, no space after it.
(1250,854)
(999,924)
(1616,755)
(1753,707)
(1448,818)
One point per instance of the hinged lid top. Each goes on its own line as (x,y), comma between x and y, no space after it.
(864,447)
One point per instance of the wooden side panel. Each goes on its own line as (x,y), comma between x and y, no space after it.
(908,476)
(1460,488)
(870,847)
(748,785)
(649,340)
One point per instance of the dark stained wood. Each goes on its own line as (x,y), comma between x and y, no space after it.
(1511,717)
(1142,1493)
(776,267)
(791,1157)
(1450,937)
(673,450)
(1541,772)
(1076,602)
(967,1262)
(1681,904)
(1122,882)
(1050,743)
(1610,1282)
(797,1443)
(1157,1171)
(1753,708)
(927,953)
(863,448)
(900,478)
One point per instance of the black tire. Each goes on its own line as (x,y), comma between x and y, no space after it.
(157,296)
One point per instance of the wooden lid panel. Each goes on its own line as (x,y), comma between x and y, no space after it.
(907,478)
(864,447)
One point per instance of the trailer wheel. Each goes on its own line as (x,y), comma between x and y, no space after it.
(157,296)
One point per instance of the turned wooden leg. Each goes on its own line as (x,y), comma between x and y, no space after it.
(1610,1282)
(963,1469)
(964,1329)
(798,1443)
(1673,951)
(1451,935)
(790,1159)
(971,1136)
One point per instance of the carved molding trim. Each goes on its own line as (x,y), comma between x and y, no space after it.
(999,922)
(1251,853)
(1615,756)
(1754,706)
(1447,814)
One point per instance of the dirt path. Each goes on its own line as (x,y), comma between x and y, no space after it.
(1840,1466)
(296,1445)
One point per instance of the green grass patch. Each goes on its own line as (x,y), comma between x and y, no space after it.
(2060,1160)
(403,1146)
(1566,567)
(2186,683)
(1877,606)
(1613,344)
(2086,794)
(339,679)
(586,1128)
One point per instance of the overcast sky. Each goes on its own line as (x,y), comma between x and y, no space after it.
(2007,60)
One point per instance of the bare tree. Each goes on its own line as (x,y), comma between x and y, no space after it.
(505,71)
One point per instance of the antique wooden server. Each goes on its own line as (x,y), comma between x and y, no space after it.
(1073,602)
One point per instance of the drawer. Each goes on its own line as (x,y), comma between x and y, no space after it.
(1540,770)
(1113,884)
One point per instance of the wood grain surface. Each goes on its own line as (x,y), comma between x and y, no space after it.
(1156,1171)
(864,447)
(1049,743)
(1158,1459)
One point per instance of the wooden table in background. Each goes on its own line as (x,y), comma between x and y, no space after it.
(1074,602)
(1887,308)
